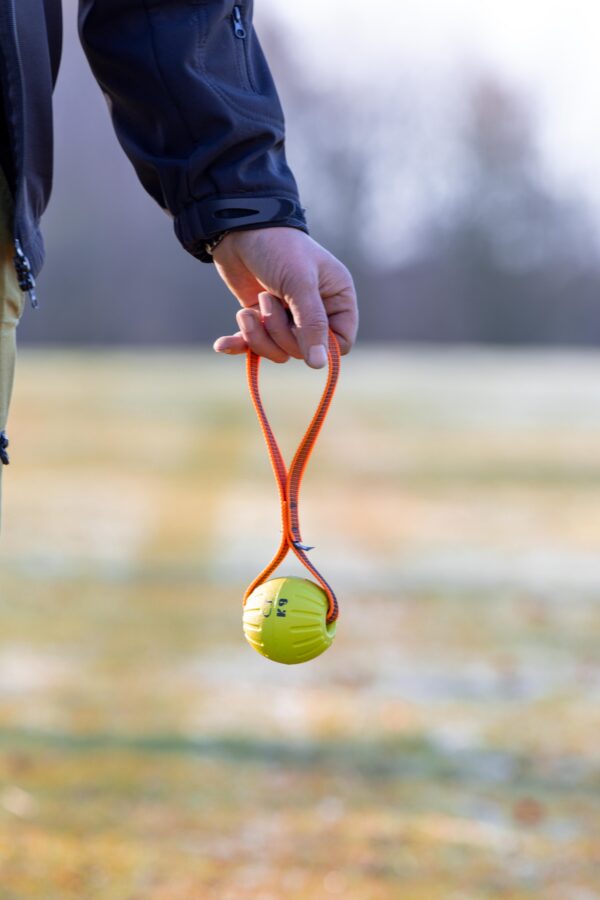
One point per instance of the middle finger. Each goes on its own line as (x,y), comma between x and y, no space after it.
(257,338)
(279,323)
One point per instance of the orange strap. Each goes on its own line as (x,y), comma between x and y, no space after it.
(288,482)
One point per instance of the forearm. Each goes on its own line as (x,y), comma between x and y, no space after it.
(195,109)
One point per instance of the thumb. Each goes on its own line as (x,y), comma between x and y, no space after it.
(311,324)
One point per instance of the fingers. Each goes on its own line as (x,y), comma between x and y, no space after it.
(311,325)
(342,311)
(278,324)
(272,332)
(232,344)
(257,337)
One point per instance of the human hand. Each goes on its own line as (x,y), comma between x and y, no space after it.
(291,290)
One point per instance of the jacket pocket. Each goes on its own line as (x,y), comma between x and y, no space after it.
(227,47)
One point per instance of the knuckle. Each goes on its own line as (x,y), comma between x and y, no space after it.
(346,275)
(301,279)
(314,323)
(306,285)
(342,271)
(275,327)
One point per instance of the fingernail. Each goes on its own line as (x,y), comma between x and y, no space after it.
(266,304)
(317,356)
(249,322)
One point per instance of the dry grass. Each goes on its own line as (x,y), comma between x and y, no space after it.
(445,748)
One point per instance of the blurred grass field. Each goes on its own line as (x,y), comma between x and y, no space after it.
(445,748)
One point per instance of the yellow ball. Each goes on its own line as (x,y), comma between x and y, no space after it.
(285,620)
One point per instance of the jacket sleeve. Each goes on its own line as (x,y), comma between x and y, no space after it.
(196,111)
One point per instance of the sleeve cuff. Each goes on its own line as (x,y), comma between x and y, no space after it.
(204,220)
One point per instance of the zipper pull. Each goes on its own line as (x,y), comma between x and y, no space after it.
(24,274)
(4,442)
(238,24)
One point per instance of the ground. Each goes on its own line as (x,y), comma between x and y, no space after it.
(445,747)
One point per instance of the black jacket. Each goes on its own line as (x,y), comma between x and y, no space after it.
(192,102)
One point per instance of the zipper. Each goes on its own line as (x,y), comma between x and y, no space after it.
(21,262)
(24,274)
(240,31)
(4,442)
(238,23)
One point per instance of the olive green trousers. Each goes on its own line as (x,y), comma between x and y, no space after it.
(11,307)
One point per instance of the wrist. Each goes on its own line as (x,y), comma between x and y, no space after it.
(245,240)
(212,245)
(201,225)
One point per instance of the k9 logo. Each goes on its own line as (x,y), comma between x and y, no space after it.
(267,608)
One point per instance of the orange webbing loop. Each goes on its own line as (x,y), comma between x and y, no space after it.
(288,482)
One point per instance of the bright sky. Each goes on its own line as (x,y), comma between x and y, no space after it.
(550,48)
